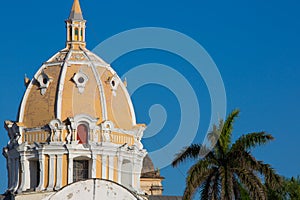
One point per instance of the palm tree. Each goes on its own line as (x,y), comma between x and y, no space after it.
(228,170)
(289,191)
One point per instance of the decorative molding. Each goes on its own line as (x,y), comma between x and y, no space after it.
(80,79)
(44,81)
(114,83)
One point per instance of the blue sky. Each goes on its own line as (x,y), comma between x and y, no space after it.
(255,45)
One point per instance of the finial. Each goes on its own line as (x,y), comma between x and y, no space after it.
(26,81)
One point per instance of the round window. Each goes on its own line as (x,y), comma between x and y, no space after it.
(81,80)
(45,80)
(113,83)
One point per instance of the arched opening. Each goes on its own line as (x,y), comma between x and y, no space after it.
(70,34)
(34,170)
(126,173)
(80,169)
(82,134)
(76,34)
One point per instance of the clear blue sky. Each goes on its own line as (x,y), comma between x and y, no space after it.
(255,44)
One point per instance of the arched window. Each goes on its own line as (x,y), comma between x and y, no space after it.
(82,134)
(70,34)
(76,34)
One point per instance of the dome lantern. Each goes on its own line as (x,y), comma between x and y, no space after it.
(75,25)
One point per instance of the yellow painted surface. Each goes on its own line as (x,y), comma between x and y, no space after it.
(40,109)
(74,102)
(67,96)
(147,183)
(85,102)
(108,94)
(99,166)
(120,105)
(64,170)
(121,138)
(64,135)
(118,110)
(40,136)
(46,179)
(116,169)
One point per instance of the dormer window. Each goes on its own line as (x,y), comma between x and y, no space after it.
(114,83)
(80,80)
(44,82)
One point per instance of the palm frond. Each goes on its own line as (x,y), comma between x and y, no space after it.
(196,177)
(247,161)
(207,186)
(252,182)
(191,152)
(226,130)
(251,140)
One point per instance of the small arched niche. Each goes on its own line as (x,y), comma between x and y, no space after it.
(82,134)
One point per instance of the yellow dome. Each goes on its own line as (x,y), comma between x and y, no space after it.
(76,82)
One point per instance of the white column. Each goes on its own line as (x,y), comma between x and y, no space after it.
(73,33)
(111,168)
(70,170)
(25,174)
(104,160)
(120,161)
(137,168)
(68,31)
(132,173)
(58,172)
(83,32)
(42,172)
(51,173)
(94,165)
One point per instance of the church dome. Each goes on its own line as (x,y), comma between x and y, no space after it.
(72,82)
(76,81)
(148,165)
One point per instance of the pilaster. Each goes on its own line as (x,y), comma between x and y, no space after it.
(70,170)
(111,167)
(59,172)
(94,166)
(42,172)
(25,184)
(51,173)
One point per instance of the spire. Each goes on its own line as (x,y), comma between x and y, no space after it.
(76,13)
